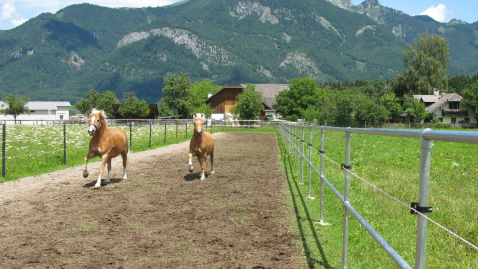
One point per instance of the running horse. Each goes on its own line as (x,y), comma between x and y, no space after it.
(201,145)
(107,144)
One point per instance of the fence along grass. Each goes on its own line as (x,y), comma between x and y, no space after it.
(391,164)
(37,149)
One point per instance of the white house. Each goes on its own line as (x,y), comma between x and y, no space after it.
(447,108)
(40,111)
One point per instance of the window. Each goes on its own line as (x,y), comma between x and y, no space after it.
(440,119)
(467,120)
(61,117)
(454,105)
(453,120)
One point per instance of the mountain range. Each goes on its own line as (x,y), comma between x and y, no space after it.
(62,56)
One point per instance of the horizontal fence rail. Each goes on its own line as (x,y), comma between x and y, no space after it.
(293,135)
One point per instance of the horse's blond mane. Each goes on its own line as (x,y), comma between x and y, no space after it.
(102,114)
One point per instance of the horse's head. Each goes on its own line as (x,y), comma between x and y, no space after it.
(96,119)
(198,121)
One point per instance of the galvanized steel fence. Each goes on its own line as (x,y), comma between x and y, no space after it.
(293,135)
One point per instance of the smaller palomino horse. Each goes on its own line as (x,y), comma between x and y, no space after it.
(106,144)
(201,145)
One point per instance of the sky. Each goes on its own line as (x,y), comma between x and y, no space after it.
(16,12)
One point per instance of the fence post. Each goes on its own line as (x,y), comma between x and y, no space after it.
(3,148)
(176,129)
(288,127)
(149,133)
(425,148)
(64,143)
(310,162)
(297,139)
(186,128)
(348,135)
(165,132)
(302,157)
(322,139)
(130,135)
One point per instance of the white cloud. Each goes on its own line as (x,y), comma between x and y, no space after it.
(8,9)
(438,13)
(15,23)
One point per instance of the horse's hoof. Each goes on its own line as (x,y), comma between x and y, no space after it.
(191,170)
(212,172)
(85,174)
(97,187)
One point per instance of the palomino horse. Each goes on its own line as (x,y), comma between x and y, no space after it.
(201,145)
(106,144)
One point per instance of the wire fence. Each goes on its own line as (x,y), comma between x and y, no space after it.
(294,137)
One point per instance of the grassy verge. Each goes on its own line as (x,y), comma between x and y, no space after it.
(392,165)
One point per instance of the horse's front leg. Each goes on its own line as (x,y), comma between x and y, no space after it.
(104,160)
(190,162)
(88,156)
(202,161)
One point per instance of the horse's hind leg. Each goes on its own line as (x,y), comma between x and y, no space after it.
(212,162)
(108,176)
(124,155)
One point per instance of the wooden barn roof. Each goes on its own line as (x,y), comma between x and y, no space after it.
(269,91)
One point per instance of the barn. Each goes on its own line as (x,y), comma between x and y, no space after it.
(40,111)
(224,99)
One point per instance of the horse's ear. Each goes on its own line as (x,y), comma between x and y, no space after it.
(194,117)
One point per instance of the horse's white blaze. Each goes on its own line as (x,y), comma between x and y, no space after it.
(91,128)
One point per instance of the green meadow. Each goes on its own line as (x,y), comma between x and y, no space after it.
(391,165)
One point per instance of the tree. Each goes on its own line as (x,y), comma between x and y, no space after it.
(177,94)
(198,94)
(344,107)
(470,97)
(426,62)
(132,107)
(15,106)
(369,112)
(415,109)
(313,114)
(391,102)
(102,101)
(302,93)
(250,103)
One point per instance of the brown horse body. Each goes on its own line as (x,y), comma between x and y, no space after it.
(106,144)
(201,145)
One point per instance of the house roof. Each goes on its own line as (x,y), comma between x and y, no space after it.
(450,97)
(427,98)
(44,105)
(269,91)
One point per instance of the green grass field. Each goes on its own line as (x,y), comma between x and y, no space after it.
(392,165)
(389,163)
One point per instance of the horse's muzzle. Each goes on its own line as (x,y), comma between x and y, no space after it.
(199,133)
(91,132)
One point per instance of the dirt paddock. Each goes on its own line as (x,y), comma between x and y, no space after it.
(161,217)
